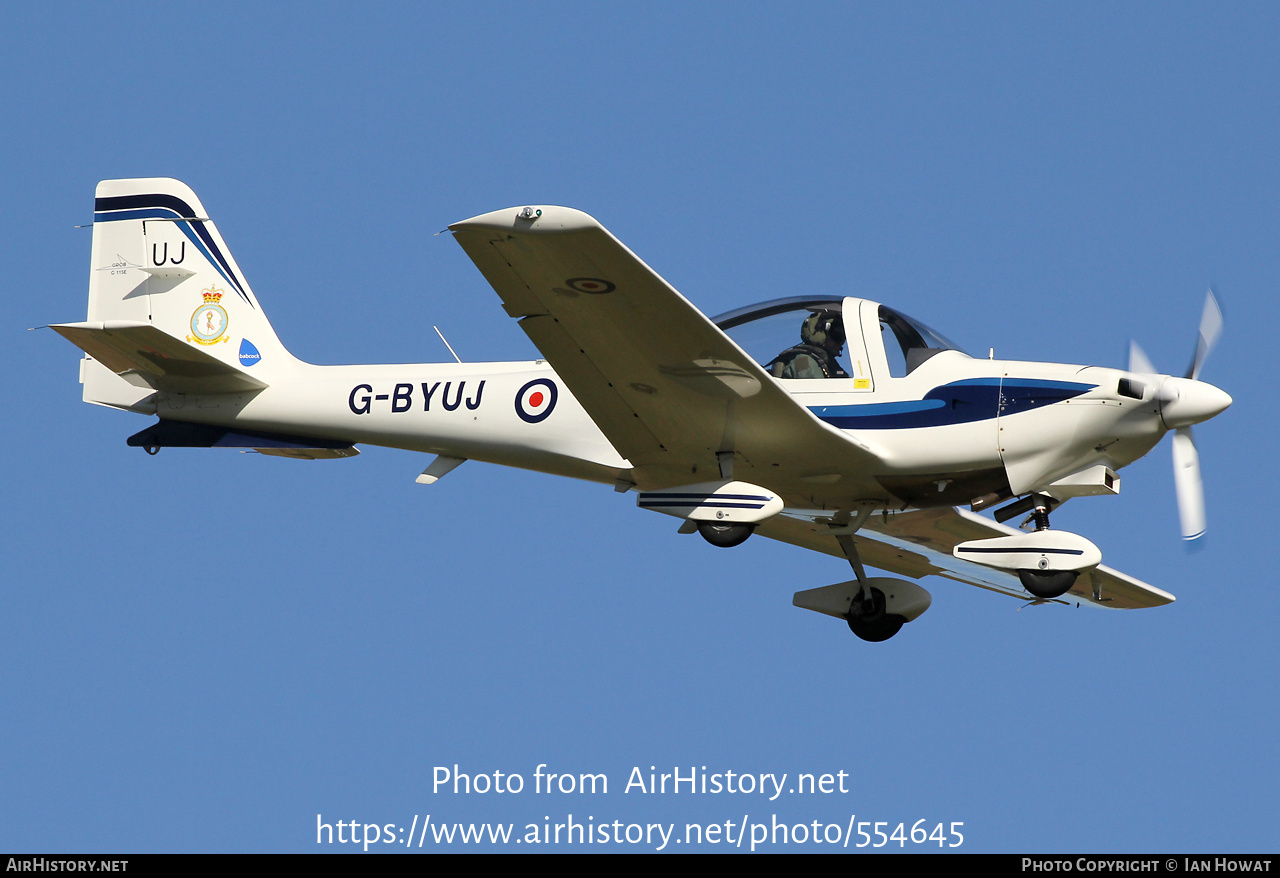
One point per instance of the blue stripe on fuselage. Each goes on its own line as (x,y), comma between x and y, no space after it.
(960,402)
(161,207)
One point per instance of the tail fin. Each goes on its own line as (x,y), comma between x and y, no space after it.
(160,266)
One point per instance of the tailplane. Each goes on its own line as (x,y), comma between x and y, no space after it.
(169,309)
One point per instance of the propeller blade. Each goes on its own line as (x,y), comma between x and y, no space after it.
(1140,366)
(1210,330)
(1188,485)
(1138,361)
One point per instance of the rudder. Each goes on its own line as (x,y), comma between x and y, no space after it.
(158,260)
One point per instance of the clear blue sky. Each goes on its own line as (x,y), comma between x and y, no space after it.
(204,650)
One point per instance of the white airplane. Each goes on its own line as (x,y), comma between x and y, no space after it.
(858,437)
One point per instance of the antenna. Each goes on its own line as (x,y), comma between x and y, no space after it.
(446,343)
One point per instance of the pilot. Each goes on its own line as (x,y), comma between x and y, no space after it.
(821,341)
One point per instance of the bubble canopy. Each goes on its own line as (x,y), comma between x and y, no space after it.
(765,329)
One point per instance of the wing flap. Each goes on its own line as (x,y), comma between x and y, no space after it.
(593,389)
(817,537)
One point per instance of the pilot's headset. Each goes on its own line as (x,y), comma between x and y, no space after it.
(820,326)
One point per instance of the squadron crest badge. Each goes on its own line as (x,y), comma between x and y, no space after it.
(209,322)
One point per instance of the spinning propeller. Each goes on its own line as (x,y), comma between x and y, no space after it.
(1183,402)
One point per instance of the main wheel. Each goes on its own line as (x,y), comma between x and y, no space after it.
(878,631)
(726,536)
(869,621)
(1047,584)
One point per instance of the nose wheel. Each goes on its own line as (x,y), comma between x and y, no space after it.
(1042,583)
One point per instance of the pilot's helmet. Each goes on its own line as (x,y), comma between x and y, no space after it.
(822,327)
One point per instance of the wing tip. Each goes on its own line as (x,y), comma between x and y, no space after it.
(530,219)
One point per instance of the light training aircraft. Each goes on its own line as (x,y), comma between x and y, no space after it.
(833,423)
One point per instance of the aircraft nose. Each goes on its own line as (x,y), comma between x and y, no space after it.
(1188,402)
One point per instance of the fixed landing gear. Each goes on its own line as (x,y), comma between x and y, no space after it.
(875,608)
(726,536)
(870,622)
(868,615)
(1047,562)
(1047,584)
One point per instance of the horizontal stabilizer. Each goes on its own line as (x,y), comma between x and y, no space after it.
(182,434)
(144,353)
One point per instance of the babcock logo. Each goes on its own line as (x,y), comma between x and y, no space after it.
(248,353)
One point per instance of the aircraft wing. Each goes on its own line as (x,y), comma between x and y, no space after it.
(666,386)
(919,543)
